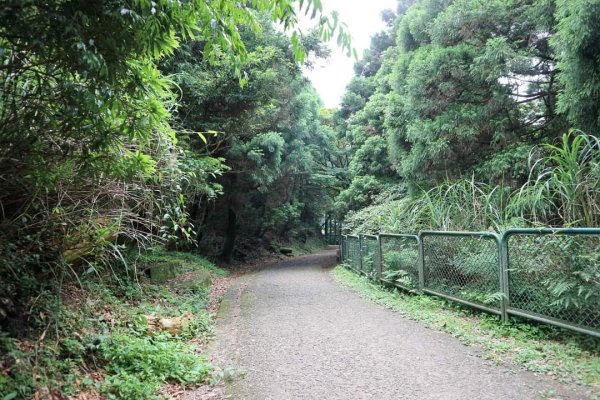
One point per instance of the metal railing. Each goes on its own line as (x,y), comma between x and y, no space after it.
(547,275)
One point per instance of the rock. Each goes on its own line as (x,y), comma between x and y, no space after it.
(173,325)
(286,251)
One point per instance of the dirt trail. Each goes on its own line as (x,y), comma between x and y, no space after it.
(298,334)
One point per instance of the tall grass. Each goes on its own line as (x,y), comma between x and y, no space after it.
(564,186)
(563,189)
(460,205)
(453,205)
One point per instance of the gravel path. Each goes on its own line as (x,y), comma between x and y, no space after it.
(298,334)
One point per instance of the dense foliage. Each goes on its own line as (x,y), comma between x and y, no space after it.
(126,125)
(458,114)
(268,132)
(121,122)
(114,140)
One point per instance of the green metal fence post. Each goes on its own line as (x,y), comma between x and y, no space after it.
(379,258)
(421,263)
(360,253)
(503,258)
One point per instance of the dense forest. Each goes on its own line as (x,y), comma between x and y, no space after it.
(474,115)
(138,133)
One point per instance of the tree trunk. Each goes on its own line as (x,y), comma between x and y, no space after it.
(200,221)
(229,244)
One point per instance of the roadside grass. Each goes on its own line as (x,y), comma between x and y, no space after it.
(125,340)
(567,356)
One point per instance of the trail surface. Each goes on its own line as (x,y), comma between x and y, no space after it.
(298,334)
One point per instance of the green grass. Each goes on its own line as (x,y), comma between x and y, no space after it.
(137,365)
(567,356)
(102,336)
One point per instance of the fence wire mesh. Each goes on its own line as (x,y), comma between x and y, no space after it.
(464,266)
(370,255)
(400,260)
(556,276)
(550,275)
(353,252)
(332,239)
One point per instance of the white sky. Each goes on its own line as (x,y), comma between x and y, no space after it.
(363,19)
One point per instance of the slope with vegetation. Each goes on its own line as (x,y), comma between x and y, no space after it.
(113,337)
(471,115)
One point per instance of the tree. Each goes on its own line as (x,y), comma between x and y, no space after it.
(266,131)
(463,94)
(468,90)
(94,155)
(577,44)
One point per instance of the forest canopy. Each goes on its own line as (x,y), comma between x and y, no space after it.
(122,138)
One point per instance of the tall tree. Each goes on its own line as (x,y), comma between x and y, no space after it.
(471,78)
(577,44)
(266,131)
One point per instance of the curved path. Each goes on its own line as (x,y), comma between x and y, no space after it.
(298,334)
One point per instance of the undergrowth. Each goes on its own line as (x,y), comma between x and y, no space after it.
(311,245)
(570,357)
(117,340)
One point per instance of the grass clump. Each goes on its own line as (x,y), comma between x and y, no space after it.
(570,357)
(137,366)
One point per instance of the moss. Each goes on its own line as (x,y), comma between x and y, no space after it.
(164,265)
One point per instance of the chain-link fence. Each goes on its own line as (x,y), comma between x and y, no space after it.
(549,275)
(400,260)
(331,229)
(463,266)
(343,248)
(554,275)
(354,257)
(370,255)
(332,239)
